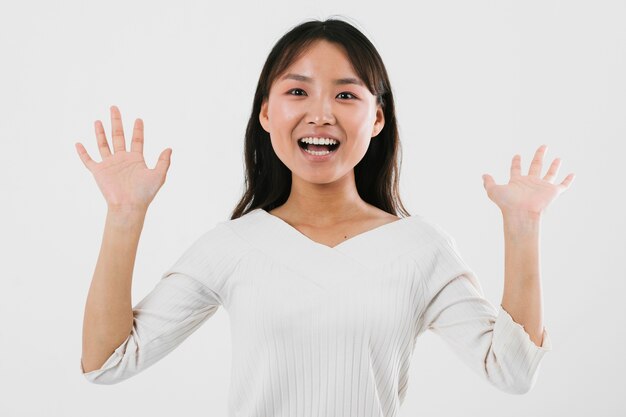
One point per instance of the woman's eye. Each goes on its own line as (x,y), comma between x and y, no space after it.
(345,92)
(295,89)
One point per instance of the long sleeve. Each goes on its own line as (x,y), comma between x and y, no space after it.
(162,320)
(489,341)
(187,294)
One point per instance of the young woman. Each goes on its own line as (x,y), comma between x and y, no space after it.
(327,289)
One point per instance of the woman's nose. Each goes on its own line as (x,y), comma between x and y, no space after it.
(320,112)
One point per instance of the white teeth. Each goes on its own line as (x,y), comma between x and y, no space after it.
(319,141)
(319,153)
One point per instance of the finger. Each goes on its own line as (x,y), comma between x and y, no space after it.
(117,130)
(84,156)
(553,171)
(103,145)
(535,165)
(488,181)
(164,161)
(567,182)
(516,166)
(136,144)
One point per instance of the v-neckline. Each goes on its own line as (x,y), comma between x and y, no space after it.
(299,235)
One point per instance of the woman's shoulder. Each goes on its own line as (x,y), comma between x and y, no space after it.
(425,230)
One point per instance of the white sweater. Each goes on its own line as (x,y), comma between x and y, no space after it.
(326,331)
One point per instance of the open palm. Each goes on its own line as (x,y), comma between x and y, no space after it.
(527,193)
(123,177)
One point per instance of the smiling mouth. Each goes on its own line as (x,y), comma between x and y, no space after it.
(318,148)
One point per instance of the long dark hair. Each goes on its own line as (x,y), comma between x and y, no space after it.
(268,180)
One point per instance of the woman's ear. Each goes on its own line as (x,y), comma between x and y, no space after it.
(263,118)
(379,123)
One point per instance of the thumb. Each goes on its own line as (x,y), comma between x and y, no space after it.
(164,160)
(487,181)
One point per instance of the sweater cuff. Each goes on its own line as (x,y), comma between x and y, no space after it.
(511,341)
(111,362)
(512,331)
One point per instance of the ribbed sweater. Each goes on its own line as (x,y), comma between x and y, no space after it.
(326,331)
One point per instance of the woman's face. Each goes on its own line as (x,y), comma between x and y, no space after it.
(309,99)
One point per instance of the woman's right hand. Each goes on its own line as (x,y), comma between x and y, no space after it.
(123,177)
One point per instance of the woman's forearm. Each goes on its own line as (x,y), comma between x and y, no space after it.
(108,318)
(522,278)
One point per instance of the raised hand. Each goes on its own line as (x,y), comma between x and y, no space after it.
(123,177)
(527,194)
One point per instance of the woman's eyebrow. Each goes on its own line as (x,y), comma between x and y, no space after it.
(340,81)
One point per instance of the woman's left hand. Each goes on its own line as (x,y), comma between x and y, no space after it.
(527,194)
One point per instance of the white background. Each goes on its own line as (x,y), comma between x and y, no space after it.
(475,83)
